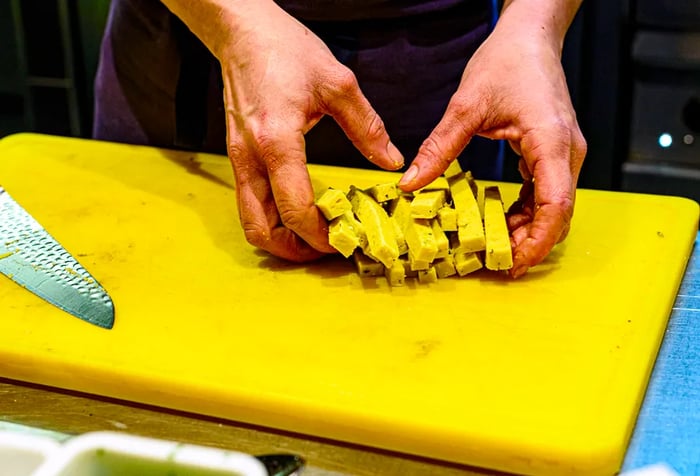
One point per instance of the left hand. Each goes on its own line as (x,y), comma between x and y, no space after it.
(514,88)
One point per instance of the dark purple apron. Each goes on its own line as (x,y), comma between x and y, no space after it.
(157,84)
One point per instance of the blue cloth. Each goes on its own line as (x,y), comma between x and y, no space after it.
(668,426)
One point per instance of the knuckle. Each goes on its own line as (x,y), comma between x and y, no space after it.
(432,149)
(292,217)
(375,127)
(267,146)
(235,150)
(580,145)
(345,82)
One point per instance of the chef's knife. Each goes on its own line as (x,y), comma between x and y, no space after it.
(35,260)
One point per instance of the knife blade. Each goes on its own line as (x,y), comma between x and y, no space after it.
(32,258)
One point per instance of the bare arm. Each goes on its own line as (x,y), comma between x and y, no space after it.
(279,80)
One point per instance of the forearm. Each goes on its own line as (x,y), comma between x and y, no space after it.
(549,19)
(217,22)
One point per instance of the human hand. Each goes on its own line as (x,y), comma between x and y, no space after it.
(279,80)
(514,88)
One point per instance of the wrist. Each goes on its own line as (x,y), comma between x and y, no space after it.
(541,20)
(218,22)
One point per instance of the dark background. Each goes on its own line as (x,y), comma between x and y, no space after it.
(633,68)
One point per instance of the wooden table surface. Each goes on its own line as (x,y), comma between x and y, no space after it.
(74,413)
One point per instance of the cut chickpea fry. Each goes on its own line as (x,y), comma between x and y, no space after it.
(383,192)
(333,203)
(379,230)
(426,203)
(441,240)
(450,227)
(498,250)
(344,233)
(420,239)
(470,227)
(366,266)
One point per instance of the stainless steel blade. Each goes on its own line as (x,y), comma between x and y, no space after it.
(35,260)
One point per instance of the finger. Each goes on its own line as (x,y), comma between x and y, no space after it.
(292,190)
(362,124)
(521,211)
(443,145)
(549,159)
(524,170)
(515,146)
(258,212)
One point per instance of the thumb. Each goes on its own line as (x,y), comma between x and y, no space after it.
(449,138)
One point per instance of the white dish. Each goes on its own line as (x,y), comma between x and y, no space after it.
(118,454)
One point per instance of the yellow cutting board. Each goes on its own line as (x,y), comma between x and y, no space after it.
(542,375)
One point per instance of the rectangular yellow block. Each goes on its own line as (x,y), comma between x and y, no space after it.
(383,192)
(400,209)
(426,203)
(396,275)
(441,240)
(427,275)
(344,233)
(445,267)
(466,263)
(453,169)
(447,217)
(499,255)
(380,232)
(420,239)
(400,238)
(408,270)
(333,203)
(366,266)
(469,224)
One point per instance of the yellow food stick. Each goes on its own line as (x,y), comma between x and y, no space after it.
(343,234)
(472,182)
(400,238)
(441,240)
(426,203)
(498,251)
(427,275)
(420,239)
(333,203)
(396,275)
(405,262)
(453,169)
(447,217)
(383,192)
(379,230)
(470,227)
(366,266)
(400,210)
(417,265)
(444,267)
(466,263)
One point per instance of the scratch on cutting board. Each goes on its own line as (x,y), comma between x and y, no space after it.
(426,347)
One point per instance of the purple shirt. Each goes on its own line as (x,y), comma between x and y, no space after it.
(157,84)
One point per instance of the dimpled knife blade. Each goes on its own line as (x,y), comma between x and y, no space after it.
(35,260)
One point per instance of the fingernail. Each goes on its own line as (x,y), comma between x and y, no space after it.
(409,176)
(395,155)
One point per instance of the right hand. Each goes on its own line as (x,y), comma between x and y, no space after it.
(279,80)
